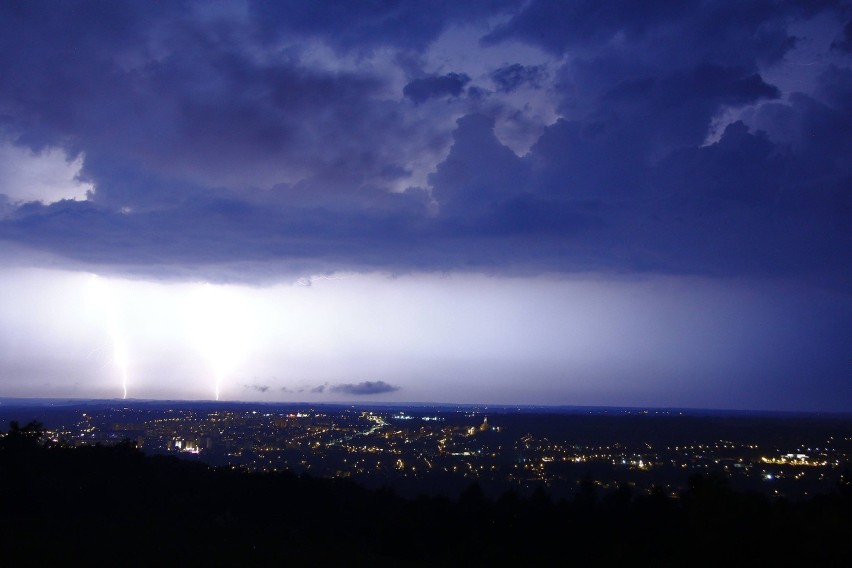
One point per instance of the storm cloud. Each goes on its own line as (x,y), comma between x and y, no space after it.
(512,77)
(421,90)
(364,388)
(259,141)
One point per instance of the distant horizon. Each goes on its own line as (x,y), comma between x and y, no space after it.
(43,401)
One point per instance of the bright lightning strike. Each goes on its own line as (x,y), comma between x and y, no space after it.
(104,297)
(219,324)
(120,354)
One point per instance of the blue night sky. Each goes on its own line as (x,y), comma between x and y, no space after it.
(519,202)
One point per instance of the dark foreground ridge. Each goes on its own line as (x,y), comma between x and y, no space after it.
(116,506)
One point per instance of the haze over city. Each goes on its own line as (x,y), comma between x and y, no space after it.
(496,202)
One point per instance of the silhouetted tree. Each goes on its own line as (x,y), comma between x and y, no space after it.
(622,497)
(844,483)
(30,434)
(587,497)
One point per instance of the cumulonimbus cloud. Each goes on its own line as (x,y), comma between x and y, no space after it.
(667,151)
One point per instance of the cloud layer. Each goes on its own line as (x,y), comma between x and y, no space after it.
(254,141)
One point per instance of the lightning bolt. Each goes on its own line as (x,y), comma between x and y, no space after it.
(103,295)
(218,322)
(120,356)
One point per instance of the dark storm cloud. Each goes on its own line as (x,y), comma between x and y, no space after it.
(514,76)
(449,85)
(7,207)
(366,25)
(220,146)
(844,42)
(741,168)
(650,112)
(557,25)
(364,388)
(171,104)
(210,232)
(479,172)
(672,30)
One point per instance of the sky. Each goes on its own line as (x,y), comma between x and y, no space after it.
(495,202)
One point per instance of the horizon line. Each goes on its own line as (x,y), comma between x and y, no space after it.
(431,404)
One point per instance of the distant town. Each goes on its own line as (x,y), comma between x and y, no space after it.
(441,450)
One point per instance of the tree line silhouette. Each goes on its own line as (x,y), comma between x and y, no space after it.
(114,505)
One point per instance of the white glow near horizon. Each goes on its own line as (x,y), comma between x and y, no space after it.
(464,338)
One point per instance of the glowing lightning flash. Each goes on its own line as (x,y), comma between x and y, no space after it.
(105,298)
(218,322)
(120,354)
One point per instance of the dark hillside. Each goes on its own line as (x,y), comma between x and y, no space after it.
(116,506)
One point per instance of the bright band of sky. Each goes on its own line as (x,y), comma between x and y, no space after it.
(580,340)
